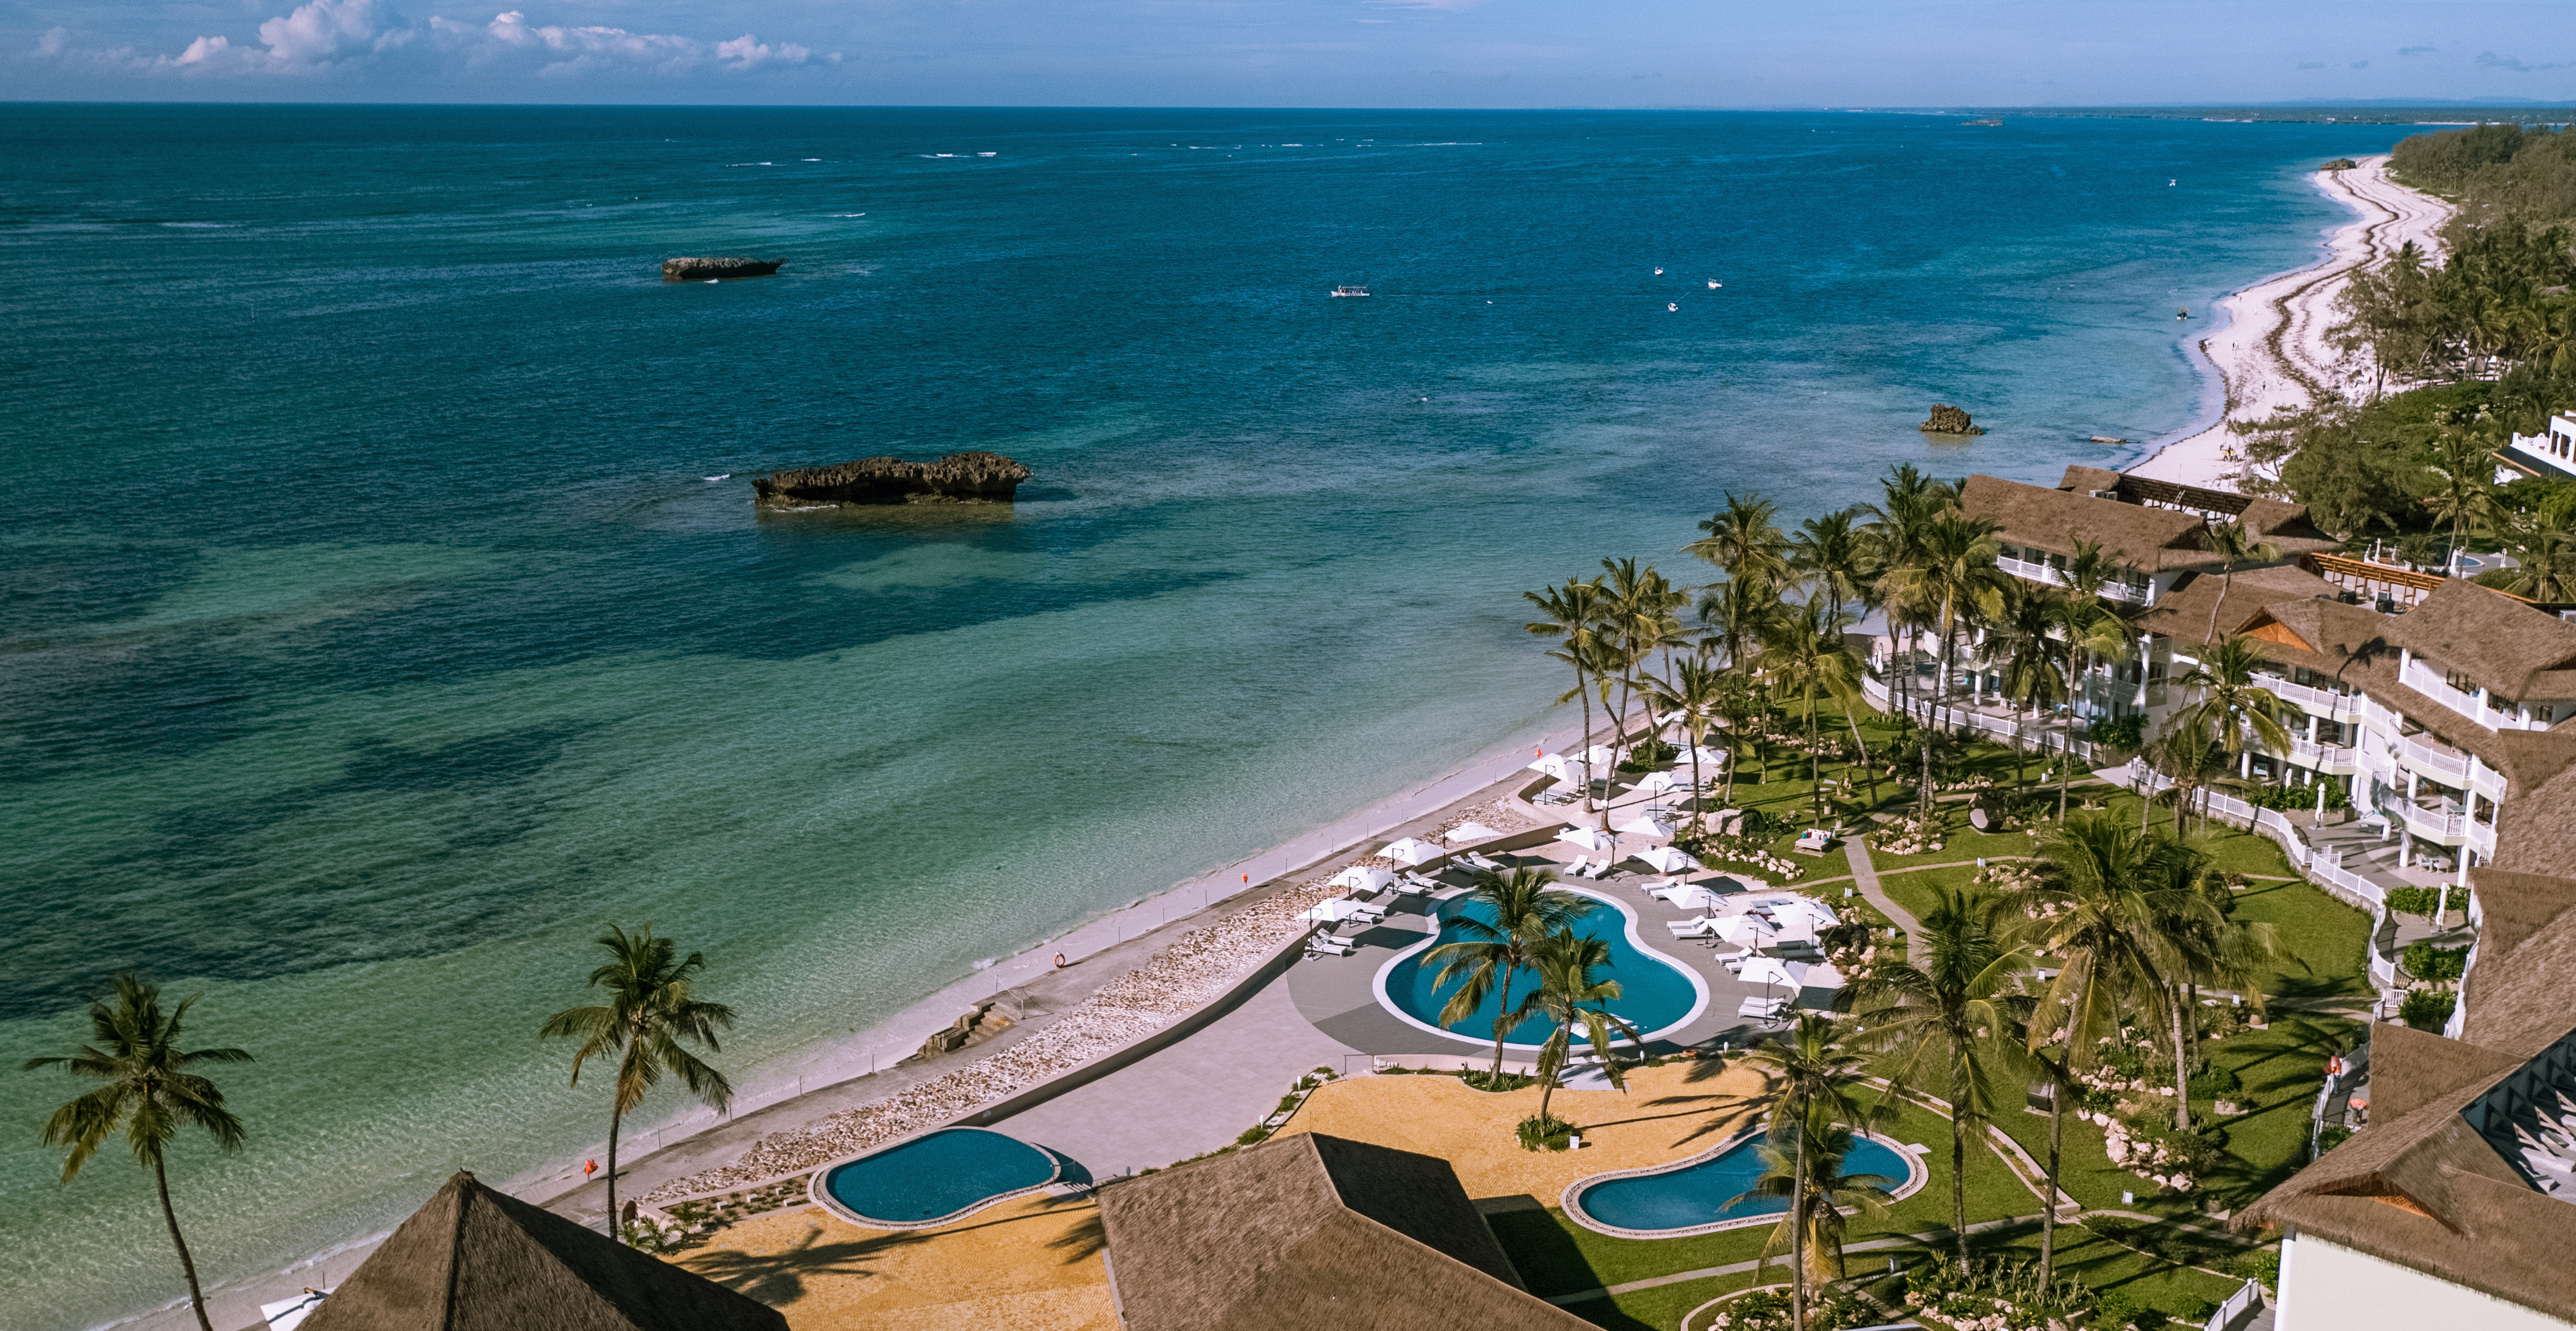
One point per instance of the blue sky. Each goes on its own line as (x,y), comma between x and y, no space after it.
(1382,53)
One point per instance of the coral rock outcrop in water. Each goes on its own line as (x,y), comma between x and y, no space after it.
(1948,420)
(967,478)
(713,270)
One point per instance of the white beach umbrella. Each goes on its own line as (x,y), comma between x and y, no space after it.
(1564,767)
(1746,931)
(1646,825)
(1410,851)
(1331,912)
(1807,909)
(1659,782)
(1691,898)
(1599,757)
(1468,834)
(1709,759)
(1772,970)
(1584,837)
(1666,859)
(1359,879)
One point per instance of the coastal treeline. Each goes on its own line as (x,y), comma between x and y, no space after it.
(2036,974)
(2463,349)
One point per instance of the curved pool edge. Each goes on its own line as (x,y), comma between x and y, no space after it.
(1629,921)
(818,1181)
(1916,1176)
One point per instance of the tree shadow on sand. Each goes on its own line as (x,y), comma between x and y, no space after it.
(778,1278)
(1725,1109)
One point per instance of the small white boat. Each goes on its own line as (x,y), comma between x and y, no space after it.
(1350,291)
(1714,284)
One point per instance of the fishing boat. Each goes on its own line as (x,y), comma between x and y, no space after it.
(1350,291)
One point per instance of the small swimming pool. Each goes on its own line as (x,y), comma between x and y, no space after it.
(936,1178)
(1657,994)
(1693,1197)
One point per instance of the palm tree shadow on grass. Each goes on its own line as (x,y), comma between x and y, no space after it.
(1086,1238)
(779,1278)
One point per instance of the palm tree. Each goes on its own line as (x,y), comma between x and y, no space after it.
(2191,754)
(2093,634)
(2462,465)
(651,1011)
(2023,641)
(2233,704)
(1804,654)
(1954,570)
(1639,621)
(2101,905)
(1694,694)
(1809,1158)
(1832,554)
(147,1092)
(1527,907)
(1572,612)
(1741,610)
(1744,539)
(2234,544)
(1941,1014)
(2209,948)
(1565,985)
(1811,1076)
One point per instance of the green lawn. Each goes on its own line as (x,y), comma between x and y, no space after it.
(1557,1256)
(2327,941)
(2108,1267)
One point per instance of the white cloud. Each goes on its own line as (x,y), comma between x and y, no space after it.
(323,35)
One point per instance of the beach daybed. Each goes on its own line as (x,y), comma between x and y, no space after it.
(1813,841)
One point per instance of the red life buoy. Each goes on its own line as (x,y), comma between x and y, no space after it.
(1059,961)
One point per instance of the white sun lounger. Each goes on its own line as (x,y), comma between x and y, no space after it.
(1763,1008)
(1700,927)
(1575,870)
(1332,945)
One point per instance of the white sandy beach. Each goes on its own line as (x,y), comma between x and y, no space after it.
(2272,350)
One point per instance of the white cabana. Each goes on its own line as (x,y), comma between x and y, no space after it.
(1772,970)
(1332,912)
(1410,851)
(1666,859)
(1563,766)
(1361,879)
(1584,837)
(1690,898)
(1647,825)
(1466,834)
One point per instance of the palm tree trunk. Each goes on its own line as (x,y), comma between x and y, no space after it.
(2182,1066)
(1798,1240)
(1940,691)
(2066,756)
(1585,698)
(1959,1168)
(616,1118)
(2048,1213)
(1815,764)
(1502,1027)
(196,1294)
(1851,717)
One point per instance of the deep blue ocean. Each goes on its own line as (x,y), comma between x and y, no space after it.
(372,633)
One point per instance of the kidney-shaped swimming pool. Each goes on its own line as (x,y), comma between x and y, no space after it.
(1657,994)
(1702,1194)
(935,1178)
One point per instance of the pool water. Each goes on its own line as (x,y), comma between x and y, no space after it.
(944,1174)
(1698,1195)
(1656,994)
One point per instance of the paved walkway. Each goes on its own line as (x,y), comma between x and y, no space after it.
(1865,876)
(1190,1098)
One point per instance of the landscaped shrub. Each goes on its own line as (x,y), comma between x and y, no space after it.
(1828,1309)
(2427,1009)
(2438,964)
(1996,1292)
(2123,733)
(1547,1133)
(2216,1081)
(1487,1081)
(2262,1265)
(2413,900)
(1255,1133)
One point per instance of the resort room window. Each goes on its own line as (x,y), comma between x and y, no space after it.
(2008,552)
(2458,681)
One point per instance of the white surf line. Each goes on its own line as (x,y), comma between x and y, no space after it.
(2273,350)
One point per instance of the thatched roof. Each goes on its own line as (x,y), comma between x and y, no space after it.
(2426,1185)
(2514,649)
(478,1260)
(2153,540)
(1310,1231)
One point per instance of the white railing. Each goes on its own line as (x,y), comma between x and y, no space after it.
(2325,869)
(2386,720)
(2011,730)
(2451,769)
(2324,702)
(2040,572)
(2330,758)
(2421,678)
(2449,829)
(2486,780)
(2482,839)
(2235,1310)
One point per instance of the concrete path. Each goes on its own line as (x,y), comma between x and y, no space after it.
(1865,876)
(1190,1098)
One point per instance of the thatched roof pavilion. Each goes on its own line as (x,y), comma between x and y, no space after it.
(1310,1231)
(478,1260)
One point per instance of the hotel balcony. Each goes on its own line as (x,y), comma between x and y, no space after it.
(2332,759)
(2441,824)
(2323,702)
(2427,681)
(2033,571)
(2440,762)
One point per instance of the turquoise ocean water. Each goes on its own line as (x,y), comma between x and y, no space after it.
(371,635)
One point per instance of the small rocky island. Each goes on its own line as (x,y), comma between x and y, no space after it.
(958,478)
(1949,420)
(717,270)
